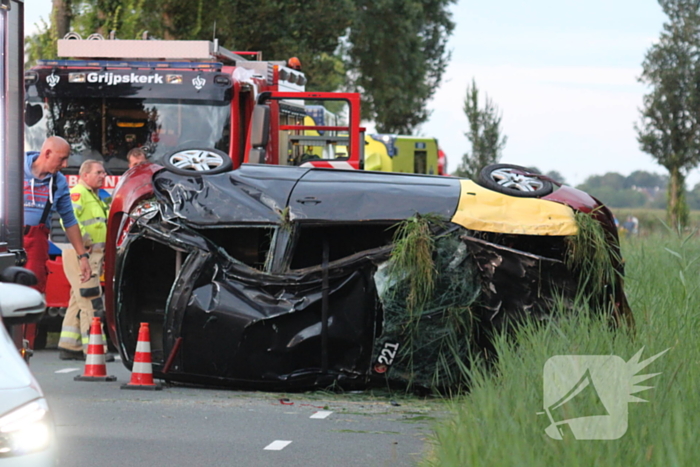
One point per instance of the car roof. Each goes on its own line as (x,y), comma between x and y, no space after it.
(260,194)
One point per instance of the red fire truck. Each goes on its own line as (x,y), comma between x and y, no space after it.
(114,95)
(191,105)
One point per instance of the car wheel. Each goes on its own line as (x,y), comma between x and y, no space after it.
(514,180)
(197,161)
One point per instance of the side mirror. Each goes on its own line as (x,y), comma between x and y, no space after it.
(260,126)
(20,304)
(32,114)
(18,275)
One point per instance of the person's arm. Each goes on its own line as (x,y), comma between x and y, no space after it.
(75,239)
(70,224)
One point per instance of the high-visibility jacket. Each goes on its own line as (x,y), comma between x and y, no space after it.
(91,213)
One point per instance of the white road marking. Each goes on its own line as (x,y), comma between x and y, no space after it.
(68,370)
(321,414)
(277,445)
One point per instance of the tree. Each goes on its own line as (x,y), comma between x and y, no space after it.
(392,51)
(85,17)
(643,179)
(556,176)
(484,134)
(669,129)
(43,43)
(61,15)
(309,30)
(611,180)
(397,55)
(694,197)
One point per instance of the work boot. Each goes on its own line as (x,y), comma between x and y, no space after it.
(109,357)
(65,354)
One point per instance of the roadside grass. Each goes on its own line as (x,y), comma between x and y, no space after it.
(496,424)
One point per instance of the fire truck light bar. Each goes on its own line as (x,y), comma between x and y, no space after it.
(129,64)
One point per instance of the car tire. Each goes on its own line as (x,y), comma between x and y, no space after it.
(197,161)
(514,180)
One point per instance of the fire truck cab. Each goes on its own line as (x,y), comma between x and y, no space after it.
(168,96)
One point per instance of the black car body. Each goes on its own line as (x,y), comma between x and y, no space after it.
(281,277)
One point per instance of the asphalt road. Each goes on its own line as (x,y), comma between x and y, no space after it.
(100,424)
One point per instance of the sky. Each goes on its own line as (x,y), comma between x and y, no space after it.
(563,73)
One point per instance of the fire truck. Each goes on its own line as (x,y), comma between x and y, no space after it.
(191,105)
(108,96)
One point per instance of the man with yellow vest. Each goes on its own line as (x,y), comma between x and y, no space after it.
(85,297)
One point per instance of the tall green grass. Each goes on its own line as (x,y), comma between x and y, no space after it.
(496,424)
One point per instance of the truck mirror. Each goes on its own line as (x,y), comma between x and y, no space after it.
(32,114)
(18,275)
(260,126)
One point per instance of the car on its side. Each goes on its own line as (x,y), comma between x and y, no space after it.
(26,427)
(280,277)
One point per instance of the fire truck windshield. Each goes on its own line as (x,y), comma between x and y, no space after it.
(106,129)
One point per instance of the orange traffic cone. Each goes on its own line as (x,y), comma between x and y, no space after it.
(95,366)
(142,371)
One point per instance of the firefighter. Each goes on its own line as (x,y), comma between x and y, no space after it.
(46,189)
(85,297)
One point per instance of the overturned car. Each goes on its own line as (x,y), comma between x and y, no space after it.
(280,277)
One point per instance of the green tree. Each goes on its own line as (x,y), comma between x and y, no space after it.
(392,51)
(85,17)
(309,30)
(611,180)
(556,176)
(397,53)
(626,198)
(694,197)
(669,128)
(642,179)
(484,134)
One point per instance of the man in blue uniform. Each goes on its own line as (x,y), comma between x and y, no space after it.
(46,189)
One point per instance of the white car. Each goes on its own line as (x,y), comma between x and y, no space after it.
(26,427)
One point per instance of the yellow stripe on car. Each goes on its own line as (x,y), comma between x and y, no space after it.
(482,209)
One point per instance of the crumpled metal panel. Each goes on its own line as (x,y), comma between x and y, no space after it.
(272,335)
(517,285)
(244,327)
(250,194)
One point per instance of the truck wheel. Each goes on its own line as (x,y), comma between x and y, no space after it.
(197,161)
(514,180)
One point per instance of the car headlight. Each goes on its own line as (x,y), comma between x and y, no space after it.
(147,209)
(25,430)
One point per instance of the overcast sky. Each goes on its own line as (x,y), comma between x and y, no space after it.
(563,73)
